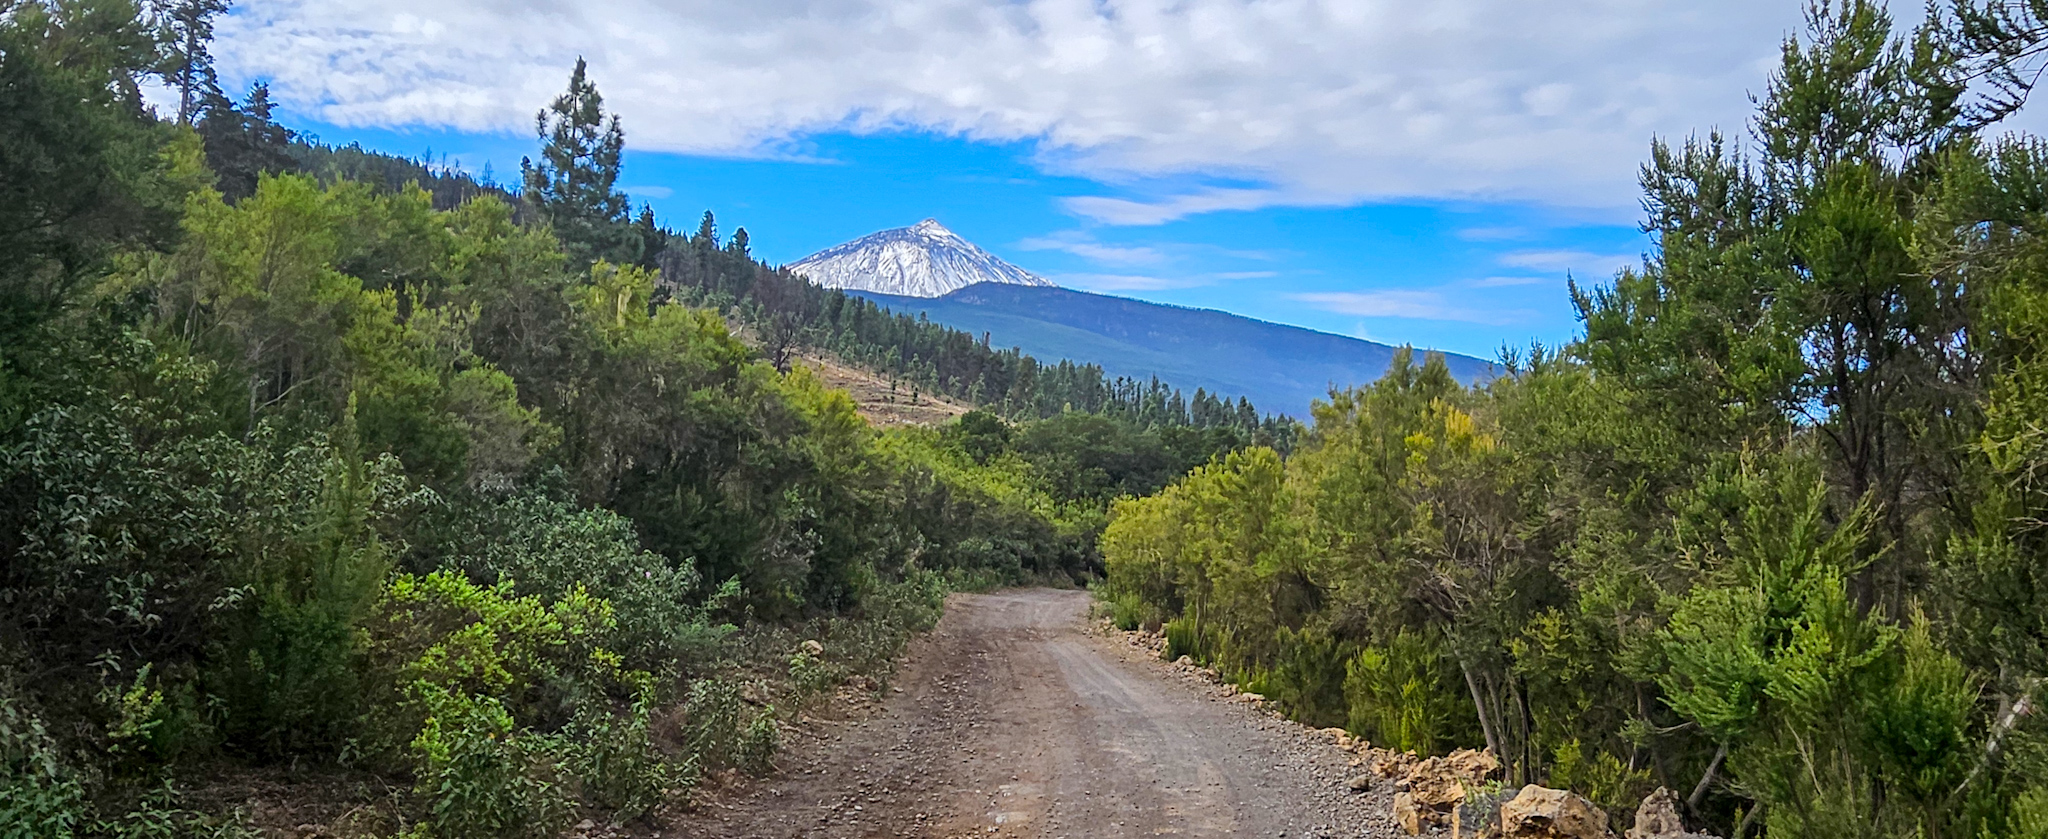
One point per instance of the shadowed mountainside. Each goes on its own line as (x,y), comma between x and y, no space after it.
(1280,368)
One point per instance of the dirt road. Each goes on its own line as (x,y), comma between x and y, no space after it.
(1015,720)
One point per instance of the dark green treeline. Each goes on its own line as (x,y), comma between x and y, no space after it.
(1768,533)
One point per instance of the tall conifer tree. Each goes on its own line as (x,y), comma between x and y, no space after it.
(574,184)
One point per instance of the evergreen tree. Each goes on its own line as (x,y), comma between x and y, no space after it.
(573,186)
(185,28)
(242,144)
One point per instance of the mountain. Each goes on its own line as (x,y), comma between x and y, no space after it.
(924,260)
(1280,368)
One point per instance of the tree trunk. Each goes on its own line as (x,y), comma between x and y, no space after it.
(1699,792)
(1479,705)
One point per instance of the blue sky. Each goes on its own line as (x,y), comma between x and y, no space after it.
(1463,276)
(1406,173)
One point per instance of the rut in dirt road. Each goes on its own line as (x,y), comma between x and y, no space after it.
(1015,720)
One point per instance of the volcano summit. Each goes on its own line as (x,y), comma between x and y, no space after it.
(923,260)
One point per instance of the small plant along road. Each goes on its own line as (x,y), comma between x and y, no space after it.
(1015,718)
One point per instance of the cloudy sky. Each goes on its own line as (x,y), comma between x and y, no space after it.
(1402,171)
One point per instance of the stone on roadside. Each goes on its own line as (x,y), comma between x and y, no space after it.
(1472,763)
(1361,783)
(1544,813)
(1434,787)
(1658,819)
(1411,817)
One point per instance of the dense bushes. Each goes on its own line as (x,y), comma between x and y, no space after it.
(341,476)
(1766,534)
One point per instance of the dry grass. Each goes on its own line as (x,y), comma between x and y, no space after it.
(882,405)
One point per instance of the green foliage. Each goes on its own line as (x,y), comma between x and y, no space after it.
(547,547)
(481,777)
(617,764)
(1400,696)
(573,185)
(1308,677)
(1602,777)
(721,731)
(40,797)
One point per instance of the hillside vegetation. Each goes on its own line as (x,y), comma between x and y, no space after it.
(1768,533)
(1281,369)
(428,504)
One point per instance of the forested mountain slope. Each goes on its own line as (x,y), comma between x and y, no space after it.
(1768,533)
(431,505)
(1281,369)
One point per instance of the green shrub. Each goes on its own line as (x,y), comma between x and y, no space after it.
(443,635)
(287,674)
(1602,778)
(616,763)
(811,677)
(1183,640)
(1308,677)
(548,547)
(2029,815)
(1131,611)
(1400,696)
(483,779)
(40,797)
(718,728)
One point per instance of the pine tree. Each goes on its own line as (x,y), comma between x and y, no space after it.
(244,143)
(184,29)
(574,185)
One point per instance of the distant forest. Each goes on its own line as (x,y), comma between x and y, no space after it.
(704,269)
(429,498)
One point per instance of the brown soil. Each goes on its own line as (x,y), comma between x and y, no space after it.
(1015,718)
(881,406)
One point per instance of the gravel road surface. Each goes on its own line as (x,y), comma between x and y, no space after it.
(1015,718)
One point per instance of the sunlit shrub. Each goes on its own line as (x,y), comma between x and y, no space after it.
(482,778)
(1400,695)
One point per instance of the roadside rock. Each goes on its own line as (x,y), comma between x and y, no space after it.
(1472,764)
(1411,817)
(1658,819)
(1437,785)
(1544,813)
(1363,783)
(1387,763)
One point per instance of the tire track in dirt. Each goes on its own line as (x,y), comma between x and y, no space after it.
(1015,720)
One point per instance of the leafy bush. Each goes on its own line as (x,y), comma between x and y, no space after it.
(1601,777)
(40,797)
(616,763)
(1308,677)
(1182,639)
(721,732)
(442,636)
(482,778)
(546,547)
(1399,696)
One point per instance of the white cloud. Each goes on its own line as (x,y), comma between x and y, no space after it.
(1309,102)
(1121,282)
(1583,263)
(1096,251)
(1509,282)
(648,191)
(1492,234)
(1418,305)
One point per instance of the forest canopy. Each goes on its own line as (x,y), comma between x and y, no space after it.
(316,458)
(1766,533)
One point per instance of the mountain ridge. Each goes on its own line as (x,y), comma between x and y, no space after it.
(922,260)
(1281,368)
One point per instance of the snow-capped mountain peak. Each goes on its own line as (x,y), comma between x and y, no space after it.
(923,260)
